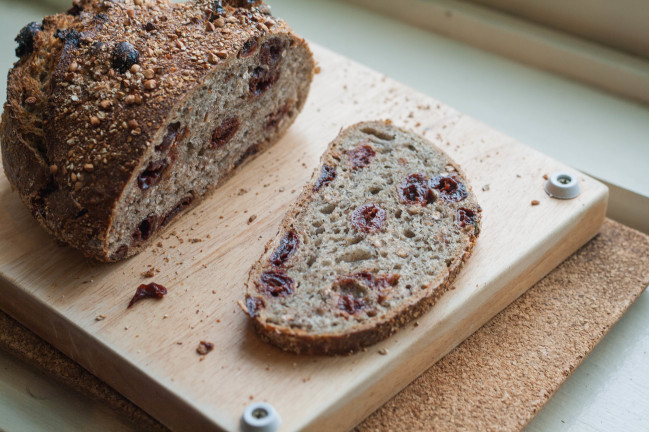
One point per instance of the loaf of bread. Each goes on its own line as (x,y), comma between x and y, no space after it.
(123,114)
(375,238)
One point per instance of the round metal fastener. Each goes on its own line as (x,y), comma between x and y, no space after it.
(562,185)
(260,417)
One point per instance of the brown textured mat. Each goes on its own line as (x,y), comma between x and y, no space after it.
(497,379)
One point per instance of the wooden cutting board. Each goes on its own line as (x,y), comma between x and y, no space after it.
(148,353)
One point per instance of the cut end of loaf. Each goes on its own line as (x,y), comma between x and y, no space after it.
(376,237)
(232,115)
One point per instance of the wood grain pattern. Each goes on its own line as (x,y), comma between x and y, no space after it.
(148,352)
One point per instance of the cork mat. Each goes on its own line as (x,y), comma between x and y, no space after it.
(497,379)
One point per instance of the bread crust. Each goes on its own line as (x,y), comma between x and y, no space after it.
(300,342)
(303,342)
(75,130)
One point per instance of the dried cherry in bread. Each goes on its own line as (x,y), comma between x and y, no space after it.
(450,188)
(286,248)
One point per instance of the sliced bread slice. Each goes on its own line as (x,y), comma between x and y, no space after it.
(375,238)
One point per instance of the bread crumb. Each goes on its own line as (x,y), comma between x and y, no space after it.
(485,187)
(546,177)
(383,351)
(317,70)
(204,348)
(535,202)
(251,219)
(402,252)
(100,317)
(149,273)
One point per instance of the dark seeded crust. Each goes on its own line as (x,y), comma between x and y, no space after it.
(365,334)
(47,133)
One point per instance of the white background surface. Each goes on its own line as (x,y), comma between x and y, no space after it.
(593,131)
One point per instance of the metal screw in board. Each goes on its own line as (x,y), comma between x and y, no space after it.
(562,185)
(260,417)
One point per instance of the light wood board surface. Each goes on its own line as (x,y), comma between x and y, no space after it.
(497,379)
(148,352)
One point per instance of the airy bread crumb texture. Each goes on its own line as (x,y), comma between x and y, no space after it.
(375,238)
